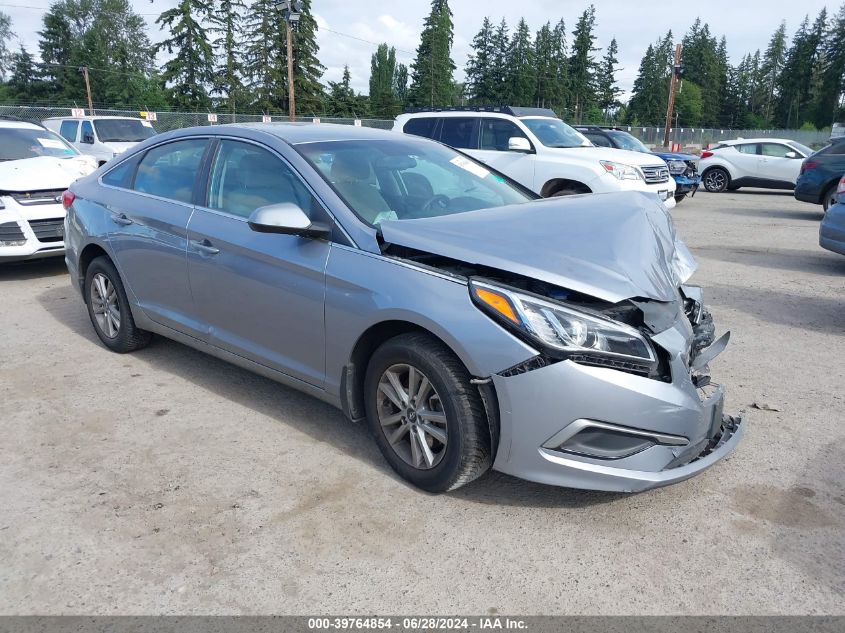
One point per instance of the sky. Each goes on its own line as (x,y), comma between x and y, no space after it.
(747,25)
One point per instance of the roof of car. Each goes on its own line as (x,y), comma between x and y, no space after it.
(26,125)
(295,133)
(91,118)
(738,141)
(483,111)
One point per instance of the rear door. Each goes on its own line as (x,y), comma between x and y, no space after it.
(260,295)
(744,158)
(149,234)
(774,165)
(494,135)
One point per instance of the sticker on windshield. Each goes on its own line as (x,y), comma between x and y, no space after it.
(51,143)
(146,124)
(467,165)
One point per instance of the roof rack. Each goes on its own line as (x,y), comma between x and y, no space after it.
(504,109)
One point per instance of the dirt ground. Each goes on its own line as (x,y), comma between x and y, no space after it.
(170,482)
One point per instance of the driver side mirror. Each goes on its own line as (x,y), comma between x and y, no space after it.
(791,155)
(519,144)
(88,138)
(288,219)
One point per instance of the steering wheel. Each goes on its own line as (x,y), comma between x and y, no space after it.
(439,200)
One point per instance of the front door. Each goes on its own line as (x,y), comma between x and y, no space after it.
(774,165)
(149,231)
(493,150)
(260,295)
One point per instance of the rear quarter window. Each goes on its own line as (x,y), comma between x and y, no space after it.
(423,126)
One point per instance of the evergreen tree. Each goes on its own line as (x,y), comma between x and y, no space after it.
(559,95)
(796,80)
(307,69)
(651,87)
(433,68)
(829,103)
(265,57)
(5,37)
(341,99)
(400,85)
(480,77)
(383,103)
(705,65)
(608,91)
(24,84)
(521,75)
(500,46)
(772,66)
(582,65)
(190,73)
(227,24)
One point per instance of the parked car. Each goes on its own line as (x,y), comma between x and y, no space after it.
(769,163)
(36,166)
(832,228)
(682,167)
(820,174)
(541,152)
(471,324)
(102,137)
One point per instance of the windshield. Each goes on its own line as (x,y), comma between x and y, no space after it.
(406,179)
(627,141)
(801,148)
(555,133)
(20,143)
(123,130)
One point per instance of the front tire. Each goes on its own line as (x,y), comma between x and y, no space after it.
(716,180)
(109,308)
(680,198)
(427,418)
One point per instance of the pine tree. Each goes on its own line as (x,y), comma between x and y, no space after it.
(190,72)
(400,85)
(582,66)
(830,102)
(559,94)
(265,57)
(705,66)
(5,37)
(607,89)
(799,72)
(23,82)
(772,66)
(433,68)
(341,99)
(500,45)
(227,24)
(480,79)
(382,76)
(651,87)
(307,69)
(521,76)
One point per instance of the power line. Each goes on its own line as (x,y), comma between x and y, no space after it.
(361,39)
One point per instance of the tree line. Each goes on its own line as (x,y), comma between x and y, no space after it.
(231,55)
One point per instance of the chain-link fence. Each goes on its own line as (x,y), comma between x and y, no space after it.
(165,121)
(690,138)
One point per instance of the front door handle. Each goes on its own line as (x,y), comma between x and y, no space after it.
(122,219)
(204,246)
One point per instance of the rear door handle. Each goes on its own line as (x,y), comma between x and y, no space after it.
(204,246)
(122,219)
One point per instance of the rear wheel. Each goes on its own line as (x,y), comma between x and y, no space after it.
(828,198)
(427,418)
(109,309)
(716,180)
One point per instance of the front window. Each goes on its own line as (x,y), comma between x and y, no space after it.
(405,179)
(628,141)
(555,133)
(806,151)
(21,143)
(123,130)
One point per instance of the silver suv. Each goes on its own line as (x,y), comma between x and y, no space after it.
(469,323)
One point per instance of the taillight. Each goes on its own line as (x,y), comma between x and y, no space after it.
(841,187)
(706,154)
(808,164)
(67,199)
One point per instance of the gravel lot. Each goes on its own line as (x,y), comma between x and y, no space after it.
(170,482)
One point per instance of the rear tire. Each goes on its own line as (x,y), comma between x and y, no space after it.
(109,308)
(716,180)
(566,191)
(827,200)
(458,446)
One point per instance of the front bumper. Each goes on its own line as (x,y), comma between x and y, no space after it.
(30,232)
(536,406)
(686,185)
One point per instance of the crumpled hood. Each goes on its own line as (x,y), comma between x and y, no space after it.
(43,172)
(675,156)
(594,154)
(610,246)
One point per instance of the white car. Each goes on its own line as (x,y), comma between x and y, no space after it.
(36,166)
(102,137)
(770,163)
(541,152)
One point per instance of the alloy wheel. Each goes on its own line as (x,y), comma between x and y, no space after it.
(105,306)
(715,180)
(412,417)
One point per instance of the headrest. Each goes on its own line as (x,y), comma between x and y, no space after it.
(348,167)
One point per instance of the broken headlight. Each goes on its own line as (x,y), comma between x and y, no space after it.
(565,331)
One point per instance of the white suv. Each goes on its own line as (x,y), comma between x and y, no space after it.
(541,152)
(102,137)
(770,163)
(36,166)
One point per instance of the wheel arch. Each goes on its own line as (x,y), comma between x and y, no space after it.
(87,255)
(556,184)
(352,379)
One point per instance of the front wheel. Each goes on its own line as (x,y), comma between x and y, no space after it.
(716,180)
(109,309)
(427,418)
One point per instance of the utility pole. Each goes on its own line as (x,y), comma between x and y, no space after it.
(291,12)
(88,89)
(673,84)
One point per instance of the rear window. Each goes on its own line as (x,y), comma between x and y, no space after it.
(169,170)
(832,149)
(421,127)
(459,132)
